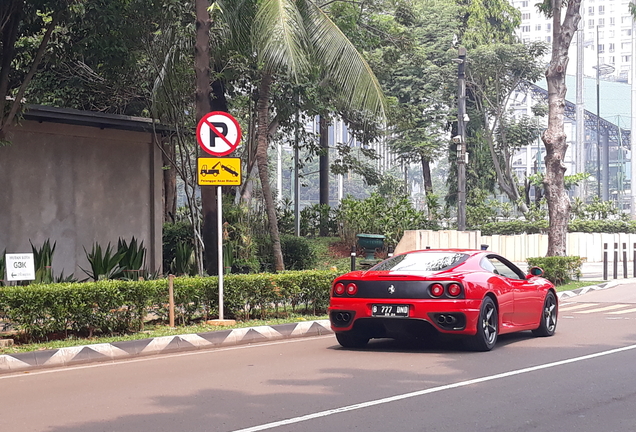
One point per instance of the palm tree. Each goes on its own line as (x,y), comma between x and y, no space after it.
(295,38)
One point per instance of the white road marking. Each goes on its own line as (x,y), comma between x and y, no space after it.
(577,306)
(603,309)
(22,374)
(431,390)
(622,311)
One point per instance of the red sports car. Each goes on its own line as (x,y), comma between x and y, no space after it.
(473,293)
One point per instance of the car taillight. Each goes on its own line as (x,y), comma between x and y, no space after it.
(437,290)
(339,289)
(454,290)
(352,289)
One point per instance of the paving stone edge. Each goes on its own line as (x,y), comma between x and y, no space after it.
(109,352)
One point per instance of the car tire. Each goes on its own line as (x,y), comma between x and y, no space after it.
(487,327)
(351,340)
(549,315)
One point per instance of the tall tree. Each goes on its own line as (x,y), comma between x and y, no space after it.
(563,28)
(494,73)
(298,41)
(202,107)
(34,22)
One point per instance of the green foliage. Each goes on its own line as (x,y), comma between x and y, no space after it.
(602,226)
(297,253)
(118,306)
(132,259)
(313,216)
(380,215)
(541,227)
(558,269)
(42,260)
(174,234)
(3,267)
(480,210)
(597,210)
(285,217)
(103,264)
(513,227)
(105,307)
(242,233)
(183,262)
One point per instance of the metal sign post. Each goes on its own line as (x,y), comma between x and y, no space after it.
(219,227)
(218,134)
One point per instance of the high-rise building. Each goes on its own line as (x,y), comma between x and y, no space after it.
(607,34)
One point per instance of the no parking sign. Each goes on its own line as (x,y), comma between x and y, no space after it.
(218,133)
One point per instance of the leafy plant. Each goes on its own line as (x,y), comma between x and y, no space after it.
(3,267)
(43,260)
(297,253)
(173,234)
(379,215)
(558,269)
(103,265)
(132,258)
(183,262)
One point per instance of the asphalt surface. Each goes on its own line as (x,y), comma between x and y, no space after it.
(580,379)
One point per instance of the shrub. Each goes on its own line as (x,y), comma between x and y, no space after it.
(173,234)
(119,306)
(558,269)
(297,253)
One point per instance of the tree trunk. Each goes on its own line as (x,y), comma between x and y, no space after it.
(9,36)
(202,100)
(324,174)
(262,109)
(169,181)
(554,136)
(426,175)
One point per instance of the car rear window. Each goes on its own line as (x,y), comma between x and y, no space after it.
(421,261)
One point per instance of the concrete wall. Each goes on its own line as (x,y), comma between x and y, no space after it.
(76,185)
(519,247)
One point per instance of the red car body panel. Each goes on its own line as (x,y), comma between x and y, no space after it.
(519,301)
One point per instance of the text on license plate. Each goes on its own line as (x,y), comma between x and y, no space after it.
(390,310)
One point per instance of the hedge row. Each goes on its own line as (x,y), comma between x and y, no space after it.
(115,306)
(537,227)
(558,269)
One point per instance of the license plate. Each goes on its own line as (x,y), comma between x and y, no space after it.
(383,310)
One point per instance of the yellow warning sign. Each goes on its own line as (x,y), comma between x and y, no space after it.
(219,171)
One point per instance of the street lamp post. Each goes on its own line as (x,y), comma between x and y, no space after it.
(461,140)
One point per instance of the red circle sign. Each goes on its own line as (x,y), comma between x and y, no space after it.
(218,133)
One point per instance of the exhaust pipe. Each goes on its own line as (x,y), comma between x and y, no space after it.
(446,320)
(343,316)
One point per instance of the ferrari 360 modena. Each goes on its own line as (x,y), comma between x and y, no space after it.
(470,293)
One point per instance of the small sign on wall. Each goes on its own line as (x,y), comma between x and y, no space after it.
(20,267)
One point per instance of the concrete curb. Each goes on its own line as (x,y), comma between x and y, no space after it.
(109,352)
(564,295)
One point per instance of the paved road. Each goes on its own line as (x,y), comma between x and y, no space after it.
(581,379)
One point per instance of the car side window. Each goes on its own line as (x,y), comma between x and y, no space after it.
(502,268)
(487,265)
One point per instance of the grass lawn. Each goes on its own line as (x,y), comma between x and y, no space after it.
(577,284)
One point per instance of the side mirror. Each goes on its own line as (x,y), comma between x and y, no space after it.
(535,271)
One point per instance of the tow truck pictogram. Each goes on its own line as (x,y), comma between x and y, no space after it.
(205,171)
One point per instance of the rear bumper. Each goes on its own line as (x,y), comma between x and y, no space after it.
(446,316)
